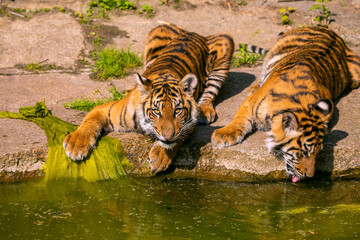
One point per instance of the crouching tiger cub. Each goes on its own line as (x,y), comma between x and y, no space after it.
(303,73)
(183,74)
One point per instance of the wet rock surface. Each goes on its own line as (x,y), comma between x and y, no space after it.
(58,38)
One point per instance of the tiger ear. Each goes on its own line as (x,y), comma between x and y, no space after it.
(189,83)
(144,83)
(289,122)
(284,127)
(324,106)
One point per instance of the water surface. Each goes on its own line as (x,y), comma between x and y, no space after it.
(180,209)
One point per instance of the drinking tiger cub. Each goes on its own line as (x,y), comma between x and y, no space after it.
(303,73)
(184,72)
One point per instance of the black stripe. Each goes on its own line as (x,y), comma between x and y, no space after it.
(209,92)
(293,148)
(190,110)
(257,108)
(208,84)
(253,48)
(280,146)
(354,61)
(157,37)
(171,28)
(153,50)
(310,139)
(293,110)
(308,133)
(109,116)
(124,115)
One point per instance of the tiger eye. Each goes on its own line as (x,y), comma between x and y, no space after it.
(156,111)
(178,111)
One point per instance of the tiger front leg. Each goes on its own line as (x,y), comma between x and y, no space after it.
(221,48)
(207,113)
(161,154)
(235,131)
(78,144)
(161,157)
(104,118)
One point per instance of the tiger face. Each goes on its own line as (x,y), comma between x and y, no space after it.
(168,109)
(297,138)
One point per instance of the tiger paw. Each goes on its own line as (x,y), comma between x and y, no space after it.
(207,114)
(78,144)
(160,158)
(226,136)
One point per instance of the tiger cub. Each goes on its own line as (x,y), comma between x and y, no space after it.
(303,73)
(183,74)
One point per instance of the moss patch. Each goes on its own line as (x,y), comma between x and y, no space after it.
(107,161)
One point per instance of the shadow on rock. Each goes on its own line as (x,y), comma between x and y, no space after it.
(235,83)
(189,154)
(193,149)
(325,160)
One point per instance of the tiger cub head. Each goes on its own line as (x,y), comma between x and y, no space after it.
(168,110)
(297,137)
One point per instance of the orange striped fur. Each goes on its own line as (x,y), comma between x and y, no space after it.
(183,74)
(303,73)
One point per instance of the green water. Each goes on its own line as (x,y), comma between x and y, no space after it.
(180,209)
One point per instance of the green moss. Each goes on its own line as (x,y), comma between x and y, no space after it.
(295,211)
(111,62)
(19,10)
(97,39)
(105,162)
(38,67)
(34,67)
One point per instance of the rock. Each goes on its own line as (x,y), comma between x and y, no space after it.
(54,38)
(59,38)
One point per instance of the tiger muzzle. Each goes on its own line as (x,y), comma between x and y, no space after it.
(307,166)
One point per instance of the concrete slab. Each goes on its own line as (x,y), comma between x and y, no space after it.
(54,38)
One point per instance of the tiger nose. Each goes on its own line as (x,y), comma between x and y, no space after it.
(168,131)
(167,138)
(168,135)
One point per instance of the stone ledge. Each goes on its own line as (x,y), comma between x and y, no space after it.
(194,160)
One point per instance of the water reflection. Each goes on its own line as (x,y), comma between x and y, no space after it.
(183,209)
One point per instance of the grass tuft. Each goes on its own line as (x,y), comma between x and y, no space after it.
(102,7)
(244,57)
(86,104)
(111,62)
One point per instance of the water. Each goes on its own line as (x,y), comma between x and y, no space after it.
(180,209)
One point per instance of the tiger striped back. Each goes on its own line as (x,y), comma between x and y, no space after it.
(321,51)
(303,73)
